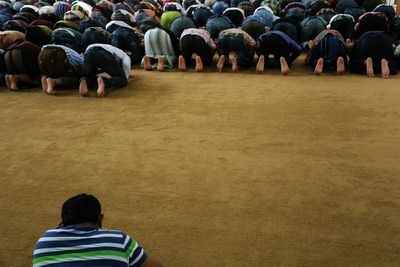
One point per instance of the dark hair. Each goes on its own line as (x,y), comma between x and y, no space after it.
(82,208)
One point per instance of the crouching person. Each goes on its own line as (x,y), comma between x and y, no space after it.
(106,65)
(21,61)
(326,52)
(60,66)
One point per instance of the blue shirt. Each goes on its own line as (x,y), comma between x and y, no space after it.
(292,44)
(73,57)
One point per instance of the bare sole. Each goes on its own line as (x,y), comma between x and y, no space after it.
(369,67)
(385,69)
(234,64)
(43,81)
(340,68)
(260,64)
(221,62)
(83,88)
(199,65)
(284,66)
(181,63)
(160,64)
(147,63)
(101,91)
(319,67)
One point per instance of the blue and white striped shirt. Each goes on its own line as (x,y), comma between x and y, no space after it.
(79,247)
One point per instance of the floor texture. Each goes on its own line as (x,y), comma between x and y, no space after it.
(213,169)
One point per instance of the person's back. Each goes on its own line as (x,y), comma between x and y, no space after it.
(87,246)
(79,241)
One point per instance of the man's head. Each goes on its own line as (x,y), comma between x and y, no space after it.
(81,209)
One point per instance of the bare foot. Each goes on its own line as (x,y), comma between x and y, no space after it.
(43,81)
(50,86)
(8,83)
(13,83)
(284,66)
(369,67)
(199,64)
(160,64)
(147,63)
(234,64)
(385,69)
(319,67)
(260,64)
(101,92)
(181,63)
(340,68)
(83,88)
(221,62)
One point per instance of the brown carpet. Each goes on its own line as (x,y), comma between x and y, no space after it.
(213,169)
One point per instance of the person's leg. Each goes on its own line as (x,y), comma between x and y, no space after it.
(208,55)
(187,43)
(24,78)
(371,48)
(221,62)
(160,63)
(385,69)
(101,92)
(340,66)
(269,45)
(13,83)
(147,63)
(159,44)
(83,87)
(91,63)
(243,53)
(102,60)
(234,64)
(89,70)
(7,80)
(319,66)
(369,67)
(223,51)
(202,50)
(260,64)
(284,66)
(181,63)
(113,67)
(43,82)
(199,64)
(51,83)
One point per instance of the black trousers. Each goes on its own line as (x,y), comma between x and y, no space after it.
(194,44)
(97,60)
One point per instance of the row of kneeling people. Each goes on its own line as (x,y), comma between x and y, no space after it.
(74,44)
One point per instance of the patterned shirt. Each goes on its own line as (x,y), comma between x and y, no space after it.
(322,34)
(247,38)
(73,246)
(200,32)
(73,57)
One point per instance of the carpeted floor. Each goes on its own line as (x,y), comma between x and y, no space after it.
(213,169)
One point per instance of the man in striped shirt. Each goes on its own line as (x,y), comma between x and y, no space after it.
(79,241)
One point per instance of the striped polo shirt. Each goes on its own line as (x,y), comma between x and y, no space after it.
(78,247)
